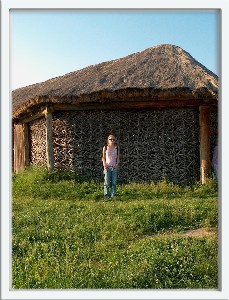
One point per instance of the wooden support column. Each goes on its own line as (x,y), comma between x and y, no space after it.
(49,144)
(205,157)
(21,147)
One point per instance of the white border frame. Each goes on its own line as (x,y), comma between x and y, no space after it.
(6,293)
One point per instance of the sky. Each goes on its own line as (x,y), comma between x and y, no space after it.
(48,43)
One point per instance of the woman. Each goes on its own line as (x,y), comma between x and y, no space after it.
(110,159)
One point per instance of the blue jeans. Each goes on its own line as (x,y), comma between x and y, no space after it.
(110,181)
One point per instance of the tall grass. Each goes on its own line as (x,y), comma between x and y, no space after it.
(66,185)
(66,235)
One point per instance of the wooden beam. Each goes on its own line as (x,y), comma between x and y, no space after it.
(34,113)
(48,110)
(205,157)
(128,105)
(30,118)
(49,142)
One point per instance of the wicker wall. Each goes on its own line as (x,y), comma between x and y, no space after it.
(153,144)
(37,141)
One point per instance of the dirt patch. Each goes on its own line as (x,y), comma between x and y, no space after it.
(195,233)
(200,232)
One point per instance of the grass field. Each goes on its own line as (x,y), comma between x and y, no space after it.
(65,235)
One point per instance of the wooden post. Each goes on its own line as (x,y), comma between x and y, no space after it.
(205,157)
(19,149)
(49,145)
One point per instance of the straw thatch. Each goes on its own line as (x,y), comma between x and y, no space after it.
(161,72)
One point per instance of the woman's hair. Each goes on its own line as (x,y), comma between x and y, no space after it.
(111,134)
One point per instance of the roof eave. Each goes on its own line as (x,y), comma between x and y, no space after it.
(130,95)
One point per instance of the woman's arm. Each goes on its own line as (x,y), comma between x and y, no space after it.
(118,158)
(104,158)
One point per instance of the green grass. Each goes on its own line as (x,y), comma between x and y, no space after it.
(66,235)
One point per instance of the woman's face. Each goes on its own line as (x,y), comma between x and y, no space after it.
(111,140)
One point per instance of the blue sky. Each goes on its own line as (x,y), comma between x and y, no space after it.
(49,43)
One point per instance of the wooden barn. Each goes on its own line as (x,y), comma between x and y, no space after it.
(160,103)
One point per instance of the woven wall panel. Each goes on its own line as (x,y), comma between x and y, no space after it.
(37,141)
(153,143)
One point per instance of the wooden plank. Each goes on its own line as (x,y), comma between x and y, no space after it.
(205,156)
(19,148)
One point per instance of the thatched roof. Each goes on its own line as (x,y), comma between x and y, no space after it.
(157,72)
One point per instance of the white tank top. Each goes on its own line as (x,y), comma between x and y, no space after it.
(111,156)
